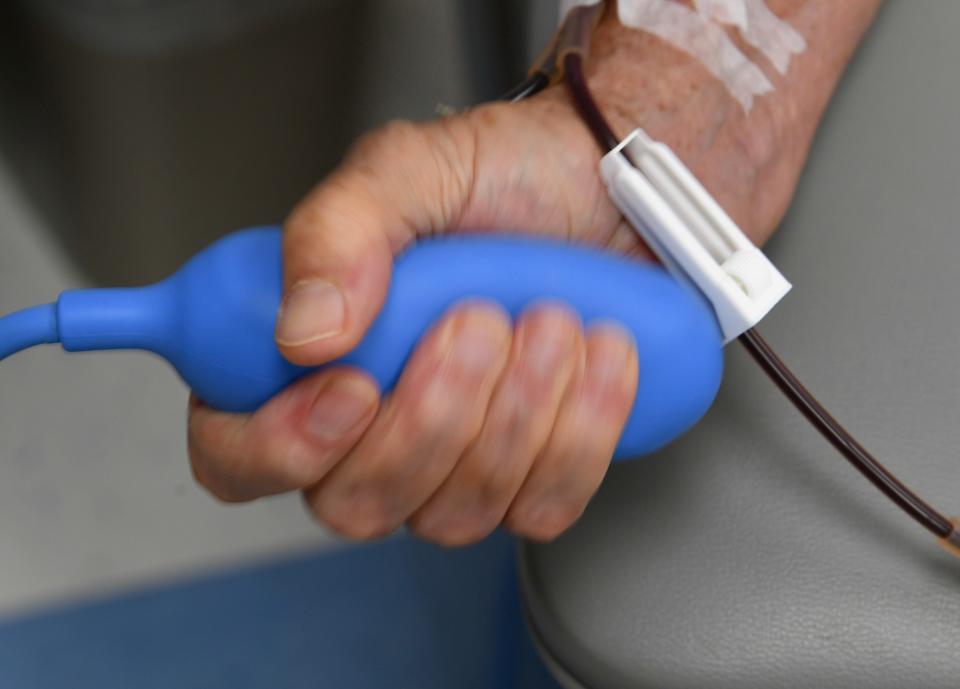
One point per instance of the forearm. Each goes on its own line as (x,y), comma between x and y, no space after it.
(750,160)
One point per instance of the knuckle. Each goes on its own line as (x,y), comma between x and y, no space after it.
(489,483)
(451,533)
(300,226)
(437,419)
(545,522)
(205,437)
(370,520)
(367,529)
(477,531)
(288,468)
(206,450)
(398,133)
(232,473)
(428,418)
(217,489)
(454,537)
(330,202)
(395,129)
(517,426)
(531,393)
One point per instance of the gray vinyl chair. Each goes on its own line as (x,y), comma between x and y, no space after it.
(749,554)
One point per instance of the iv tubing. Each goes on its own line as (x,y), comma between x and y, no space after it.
(774,367)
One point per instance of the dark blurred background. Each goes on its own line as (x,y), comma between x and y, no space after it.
(144,129)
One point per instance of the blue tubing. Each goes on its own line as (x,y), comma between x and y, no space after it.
(27,328)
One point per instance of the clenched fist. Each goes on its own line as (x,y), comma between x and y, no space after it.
(492,421)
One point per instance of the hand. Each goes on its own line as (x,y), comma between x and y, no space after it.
(491,422)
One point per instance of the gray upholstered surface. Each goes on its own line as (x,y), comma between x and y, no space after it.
(749,554)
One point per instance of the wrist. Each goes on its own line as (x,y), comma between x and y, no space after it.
(745,161)
(641,81)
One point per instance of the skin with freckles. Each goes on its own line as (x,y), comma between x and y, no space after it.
(494,422)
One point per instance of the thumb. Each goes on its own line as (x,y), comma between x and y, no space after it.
(339,243)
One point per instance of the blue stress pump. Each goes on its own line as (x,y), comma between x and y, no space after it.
(214,319)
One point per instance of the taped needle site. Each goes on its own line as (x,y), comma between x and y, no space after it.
(576,35)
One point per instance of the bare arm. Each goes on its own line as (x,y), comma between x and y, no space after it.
(749,161)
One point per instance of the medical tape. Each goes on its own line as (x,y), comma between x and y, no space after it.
(700,33)
(761,28)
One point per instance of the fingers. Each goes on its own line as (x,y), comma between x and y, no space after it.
(547,351)
(339,242)
(435,412)
(488,425)
(483,430)
(570,468)
(289,444)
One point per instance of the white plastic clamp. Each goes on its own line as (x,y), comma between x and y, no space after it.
(691,234)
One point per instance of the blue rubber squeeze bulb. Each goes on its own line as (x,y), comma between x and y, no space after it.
(214,319)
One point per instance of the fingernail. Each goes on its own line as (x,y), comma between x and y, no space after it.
(340,407)
(547,348)
(477,342)
(608,364)
(313,310)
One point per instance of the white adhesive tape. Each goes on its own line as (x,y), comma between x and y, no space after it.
(700,33)
(706,40)
(732,12)
(772,36)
